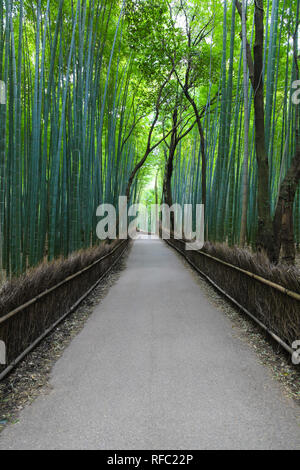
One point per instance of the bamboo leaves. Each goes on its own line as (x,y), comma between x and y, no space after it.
(54,166)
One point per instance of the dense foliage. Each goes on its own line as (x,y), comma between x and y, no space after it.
(144,97)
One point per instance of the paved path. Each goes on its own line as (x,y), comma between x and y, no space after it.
(157,367)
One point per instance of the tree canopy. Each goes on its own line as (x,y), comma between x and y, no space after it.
(153,99)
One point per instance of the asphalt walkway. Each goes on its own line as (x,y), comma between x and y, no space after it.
(157,367)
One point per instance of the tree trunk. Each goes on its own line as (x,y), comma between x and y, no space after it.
(245,184)
(265,236)
(283,223)
(168,179)
(283,220)
(169,166)
(265,239)
(202,140)
(156,204)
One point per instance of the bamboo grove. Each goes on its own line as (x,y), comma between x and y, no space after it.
(225,126)
(63,126)
(102,97)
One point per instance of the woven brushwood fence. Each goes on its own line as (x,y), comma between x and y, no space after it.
(271,294)
(32,305)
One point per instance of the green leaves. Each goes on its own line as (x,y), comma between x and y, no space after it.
(64,143)
(82,81)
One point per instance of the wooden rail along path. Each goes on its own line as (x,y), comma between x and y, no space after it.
(24,327)
(275,308)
